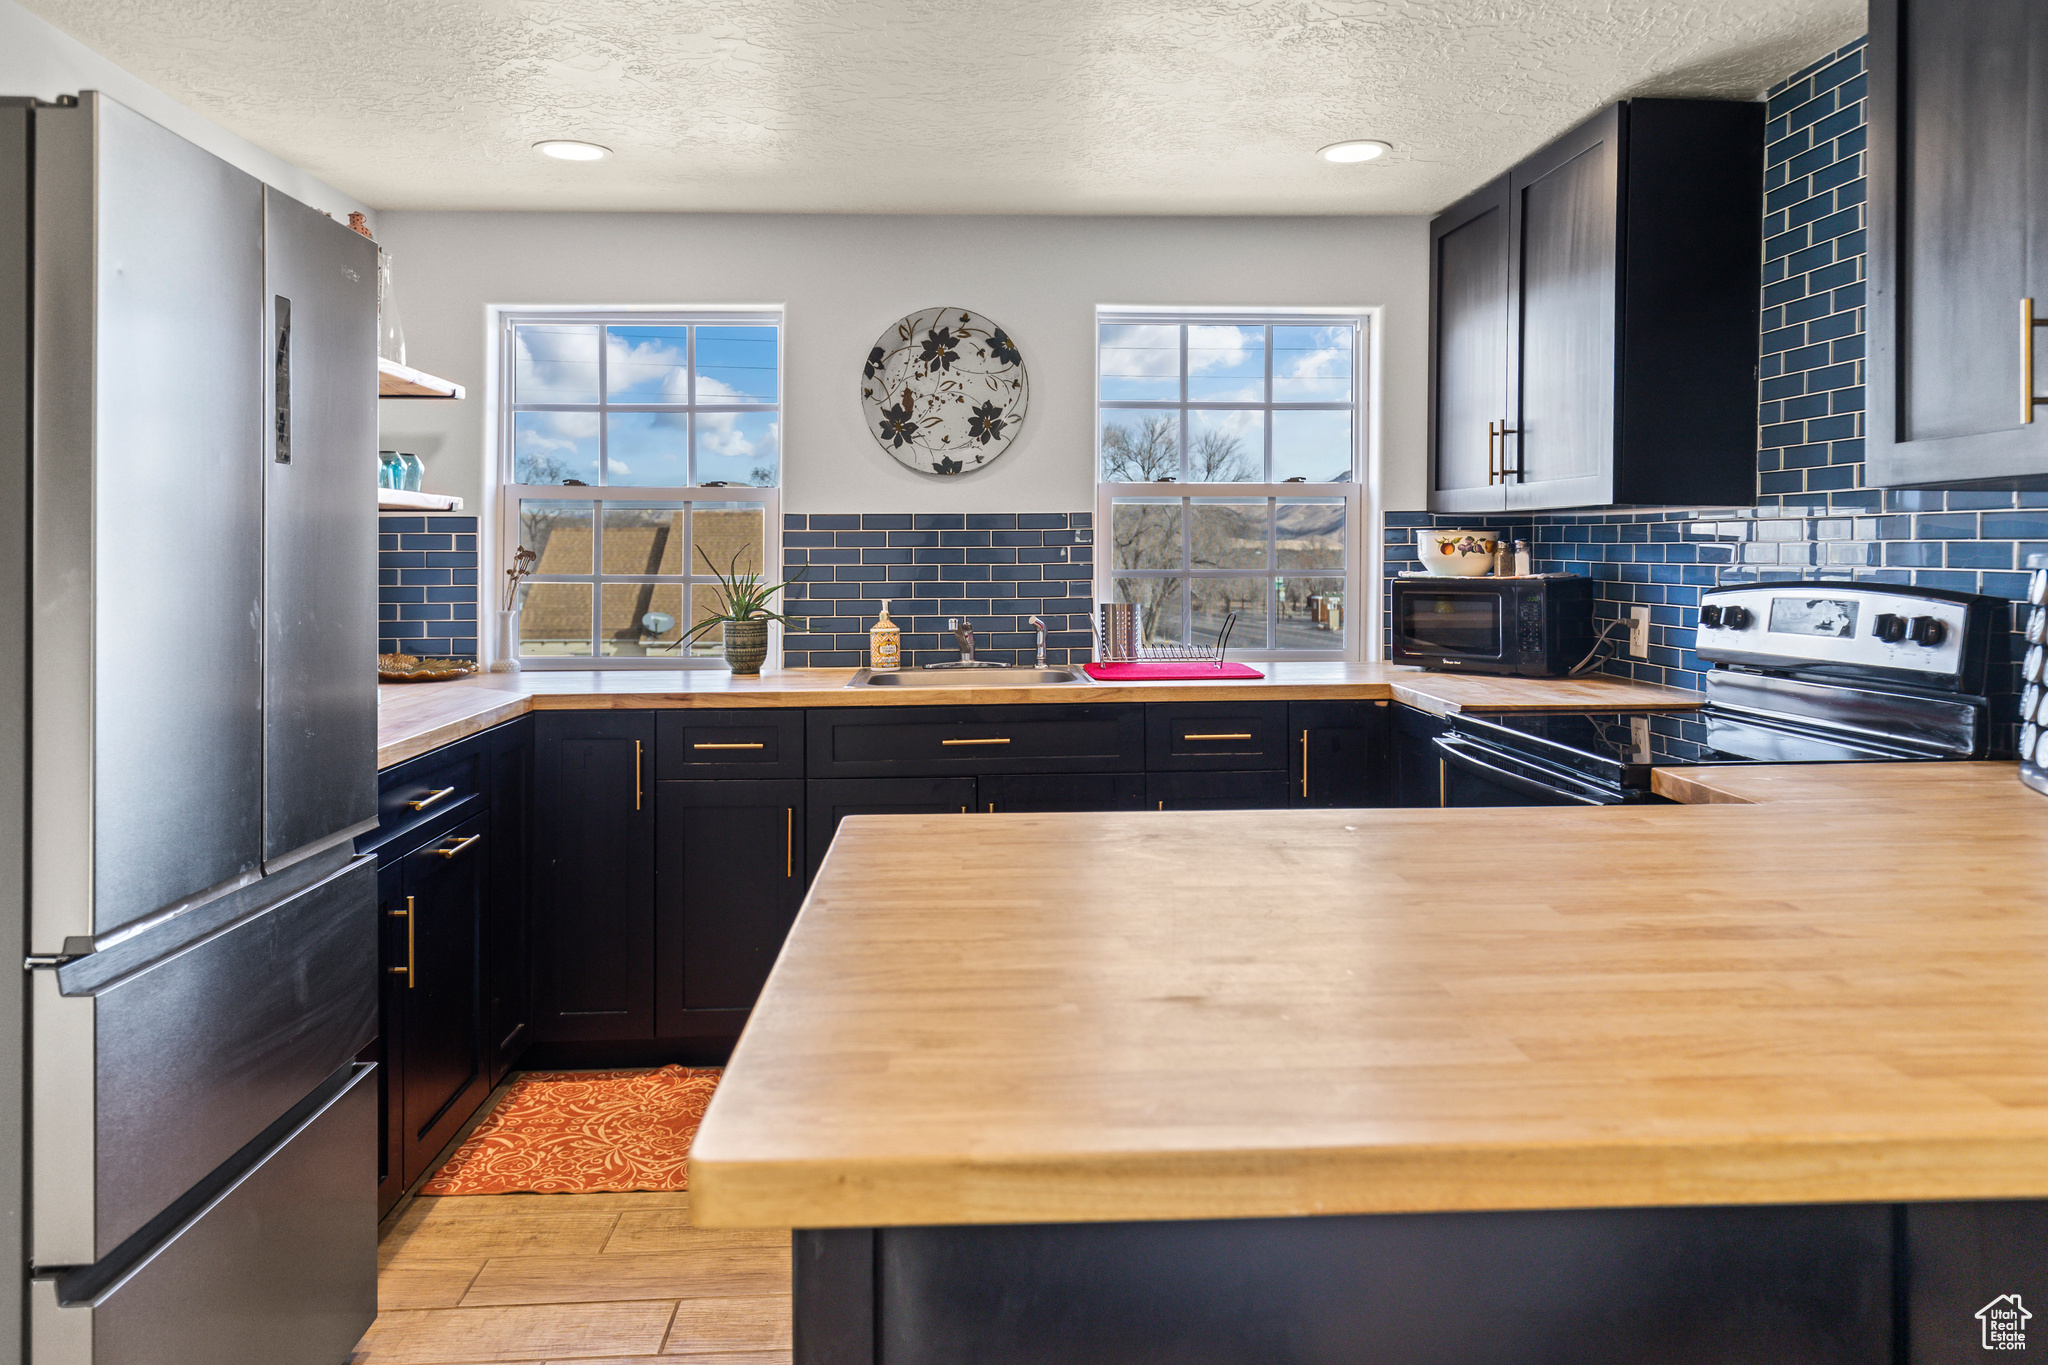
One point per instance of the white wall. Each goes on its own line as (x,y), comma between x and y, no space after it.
(842,280)
(37,58)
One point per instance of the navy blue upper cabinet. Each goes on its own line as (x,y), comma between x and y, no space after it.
(1958,241)
(1594,318)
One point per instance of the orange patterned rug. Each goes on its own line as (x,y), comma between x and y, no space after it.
(584,1132)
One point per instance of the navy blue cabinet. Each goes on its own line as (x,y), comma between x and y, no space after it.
(1340,753)
(729,877)
(593,876)
(453,952)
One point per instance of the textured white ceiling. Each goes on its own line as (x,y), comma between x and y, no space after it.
(976,106)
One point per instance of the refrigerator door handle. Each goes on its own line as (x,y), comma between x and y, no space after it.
(284,379)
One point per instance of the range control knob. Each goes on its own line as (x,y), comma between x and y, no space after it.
(1928,631)
(1735,618)
(1710,614)
(1889,628)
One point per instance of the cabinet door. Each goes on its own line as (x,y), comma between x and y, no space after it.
(1066,791)
(1958,237)
(593,877)
(1561,357)
(387,1052)
(1216,791)
(442,1042)
(828,801)
(507,965)
(1418,773)
(730,877)
(1341,753)
(1470,250)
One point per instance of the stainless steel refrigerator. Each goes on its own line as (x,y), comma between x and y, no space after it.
(188,746)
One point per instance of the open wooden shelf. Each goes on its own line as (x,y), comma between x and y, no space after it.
(402,381)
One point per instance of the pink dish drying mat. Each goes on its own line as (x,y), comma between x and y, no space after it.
(1188,672)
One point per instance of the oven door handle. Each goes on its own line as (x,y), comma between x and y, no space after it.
(1465,755)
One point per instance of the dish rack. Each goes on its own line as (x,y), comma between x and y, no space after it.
(1116,640)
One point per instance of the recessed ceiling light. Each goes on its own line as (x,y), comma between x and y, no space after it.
(572,151)
(1364,149)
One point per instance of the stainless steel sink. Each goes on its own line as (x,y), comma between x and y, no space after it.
(969,677)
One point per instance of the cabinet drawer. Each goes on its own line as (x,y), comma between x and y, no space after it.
(750,744)
(933,741)
(426,789)
(1215,736)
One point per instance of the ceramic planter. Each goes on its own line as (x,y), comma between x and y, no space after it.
(746,645)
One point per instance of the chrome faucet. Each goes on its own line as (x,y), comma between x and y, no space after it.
(963,631)
(1039,626)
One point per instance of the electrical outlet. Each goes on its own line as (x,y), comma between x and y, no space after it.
(1639,632)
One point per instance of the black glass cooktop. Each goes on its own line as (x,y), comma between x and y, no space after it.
(1623,747)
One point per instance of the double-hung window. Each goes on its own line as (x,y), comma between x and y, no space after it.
(1228,449)
(639,451)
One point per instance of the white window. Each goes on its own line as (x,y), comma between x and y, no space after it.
(638,451)
(1228,449)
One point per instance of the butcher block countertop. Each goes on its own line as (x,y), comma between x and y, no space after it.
(1154,1015)
(1897,784)
(414,718)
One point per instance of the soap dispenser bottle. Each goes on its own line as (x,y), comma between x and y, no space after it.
(885,644)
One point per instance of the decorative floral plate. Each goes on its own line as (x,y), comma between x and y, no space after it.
(945,391)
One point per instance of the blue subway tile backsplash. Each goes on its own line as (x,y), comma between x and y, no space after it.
(996,569)
(427,585)
(1814,518)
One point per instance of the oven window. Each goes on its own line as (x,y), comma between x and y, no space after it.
(1452,622)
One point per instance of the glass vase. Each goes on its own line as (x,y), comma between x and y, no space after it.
(390,331)
(507,660)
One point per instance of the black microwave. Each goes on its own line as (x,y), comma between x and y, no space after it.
(1537,626)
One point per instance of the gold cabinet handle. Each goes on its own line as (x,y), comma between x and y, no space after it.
(458,846)
(1505,432)
(991,808)
(2029,400)
(410,957)
(636,774)
(430,798)
(1190,737)
(728,746)
(1304,763)
(951,742)
(789,841)
(1442,783)
(1492,460)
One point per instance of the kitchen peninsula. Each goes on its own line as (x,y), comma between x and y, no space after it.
(1686,1084)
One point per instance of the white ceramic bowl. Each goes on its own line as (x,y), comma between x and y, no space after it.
(1462,554)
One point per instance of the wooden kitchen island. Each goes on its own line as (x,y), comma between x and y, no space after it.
(1673,1084)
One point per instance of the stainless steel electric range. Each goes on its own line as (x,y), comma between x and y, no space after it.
(1802,673)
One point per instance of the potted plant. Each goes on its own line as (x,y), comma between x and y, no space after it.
(743,611)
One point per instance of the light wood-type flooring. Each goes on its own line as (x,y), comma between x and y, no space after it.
(597,1279)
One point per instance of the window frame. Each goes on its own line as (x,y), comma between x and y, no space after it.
(509,494)
(1360,627)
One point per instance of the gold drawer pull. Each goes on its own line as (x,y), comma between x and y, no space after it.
(2029,400)
(458,846)
(430,798)
(728,746)
(1215,736)
(973,741)
(411,958)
